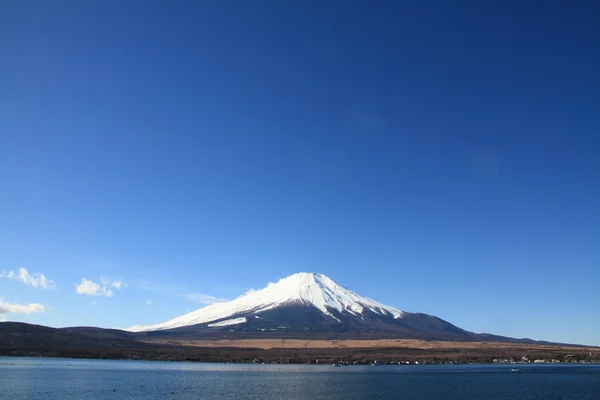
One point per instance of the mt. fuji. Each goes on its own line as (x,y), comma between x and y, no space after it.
(302,317)
(304,305)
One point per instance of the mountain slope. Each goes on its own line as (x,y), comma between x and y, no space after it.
(309,289)
(304,305)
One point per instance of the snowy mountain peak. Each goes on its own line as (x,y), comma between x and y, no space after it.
(312,289)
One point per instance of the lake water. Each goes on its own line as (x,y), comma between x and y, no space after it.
(66,379)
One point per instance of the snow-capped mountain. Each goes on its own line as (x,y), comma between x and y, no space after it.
(304,288)
(303,305)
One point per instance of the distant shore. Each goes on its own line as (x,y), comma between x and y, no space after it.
(18,339)
(295,343)
(422,354)
(323,362)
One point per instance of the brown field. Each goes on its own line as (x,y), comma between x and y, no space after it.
(18,339)
(266,344)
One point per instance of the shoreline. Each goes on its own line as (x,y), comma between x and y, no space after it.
(345,356)
(507,365)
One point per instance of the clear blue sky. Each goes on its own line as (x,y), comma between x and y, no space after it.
(440,157)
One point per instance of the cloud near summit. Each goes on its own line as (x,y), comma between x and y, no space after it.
(104,288)
(179,291)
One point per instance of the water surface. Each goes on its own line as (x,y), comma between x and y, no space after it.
(45,378)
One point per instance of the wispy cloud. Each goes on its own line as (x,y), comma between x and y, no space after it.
(36,280)
(178,291)
(149,302)
(249,291)
(104,288)
(114,284)
(12,308)
(202,298)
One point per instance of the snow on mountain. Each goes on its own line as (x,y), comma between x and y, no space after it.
(305,288)
(228,322)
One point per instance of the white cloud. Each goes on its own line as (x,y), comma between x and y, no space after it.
(249,291)
(149,302)
(114,284)
(104,288)
(12,308)
(180,292)
(202,298)
(93,303)
(36,280)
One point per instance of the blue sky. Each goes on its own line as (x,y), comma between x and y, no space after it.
(436,157)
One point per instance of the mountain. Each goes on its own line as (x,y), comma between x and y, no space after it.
(328,318)
(304,305)
(308,289)
(21,339)
(18,336)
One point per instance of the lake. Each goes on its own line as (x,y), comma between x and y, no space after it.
(65,379)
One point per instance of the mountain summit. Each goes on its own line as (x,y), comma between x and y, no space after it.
(301,289)
(304,305)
